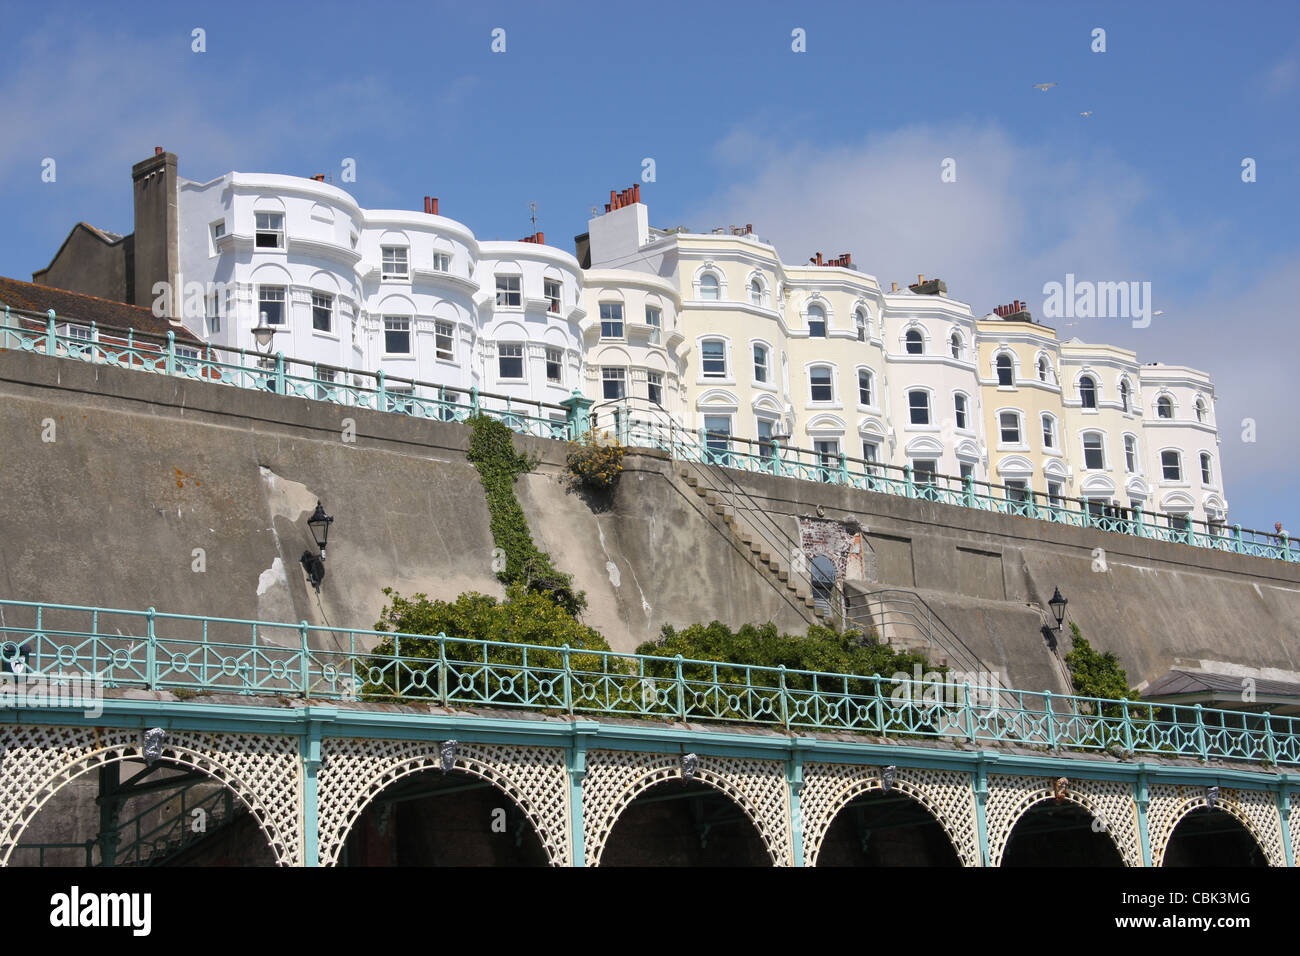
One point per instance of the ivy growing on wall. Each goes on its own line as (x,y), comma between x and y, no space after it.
(492,452)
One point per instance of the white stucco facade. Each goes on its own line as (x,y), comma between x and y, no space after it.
(712,330)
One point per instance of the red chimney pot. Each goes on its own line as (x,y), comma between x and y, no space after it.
(157,150)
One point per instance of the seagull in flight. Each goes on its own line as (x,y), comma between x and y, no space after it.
(1044,86)
(1086,113)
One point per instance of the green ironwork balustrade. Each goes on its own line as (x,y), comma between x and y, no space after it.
(207,655)
(635,426)
(637,423)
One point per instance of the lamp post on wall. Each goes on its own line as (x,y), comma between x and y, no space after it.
(314,564)
(1057,604)
(263,337)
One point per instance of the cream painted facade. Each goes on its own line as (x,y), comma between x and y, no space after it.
(817,356)
(1020,385)
(632,340)
(824,358)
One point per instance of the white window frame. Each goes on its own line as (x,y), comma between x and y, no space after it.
(554,302)
(871,387)
(394,263)
(1207,468)
(1011,368)
(824,321)
(620,378)
(1166,401)
(653,381)
(322,300)
(929,408)
(704,372)
(1096,392)
(555,357)
(716,287)
(444,329)
(269,230)
(1047,422)
(505,294)
(812,399)
(213,307)
(1083,441)
(283,300)
(396,320)
(621,320)
(656,326)
(522,356)
(442,262)
(1164,474)
(765,366)
(1132,455)
(961,410)
(1019,426)
(907,340)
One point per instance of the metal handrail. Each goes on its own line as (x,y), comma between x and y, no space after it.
(150,649)
(912,610)
(713,467)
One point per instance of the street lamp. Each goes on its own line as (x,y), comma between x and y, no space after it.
(314,564)
(1057,604)
(263,334)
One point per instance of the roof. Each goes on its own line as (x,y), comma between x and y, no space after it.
(1207,686)
(87,308)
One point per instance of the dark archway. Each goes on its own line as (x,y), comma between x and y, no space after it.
(437,819)
(1060,834)
(128,813)
(1207,837)
(886,829)
(684,823)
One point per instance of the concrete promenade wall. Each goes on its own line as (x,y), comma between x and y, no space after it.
(143,469)
(1157,605)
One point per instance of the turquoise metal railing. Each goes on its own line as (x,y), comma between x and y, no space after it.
(637,427)
(150,649)
(126,348)
(378,391)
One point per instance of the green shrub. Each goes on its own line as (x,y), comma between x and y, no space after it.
(595,461)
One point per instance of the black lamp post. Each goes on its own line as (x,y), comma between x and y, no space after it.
(314,564)
(1057,604)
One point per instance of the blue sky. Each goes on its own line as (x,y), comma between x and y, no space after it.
(834,149)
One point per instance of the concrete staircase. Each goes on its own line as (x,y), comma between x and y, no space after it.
(762,553)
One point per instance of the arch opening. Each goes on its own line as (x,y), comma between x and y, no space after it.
(123,812)
(879,828)
(1064,834)
(1212,837)
(435,819)
(684,823)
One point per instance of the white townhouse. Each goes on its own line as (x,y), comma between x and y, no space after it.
(931,356)
(816,355)
(1181,437)
(411,293)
